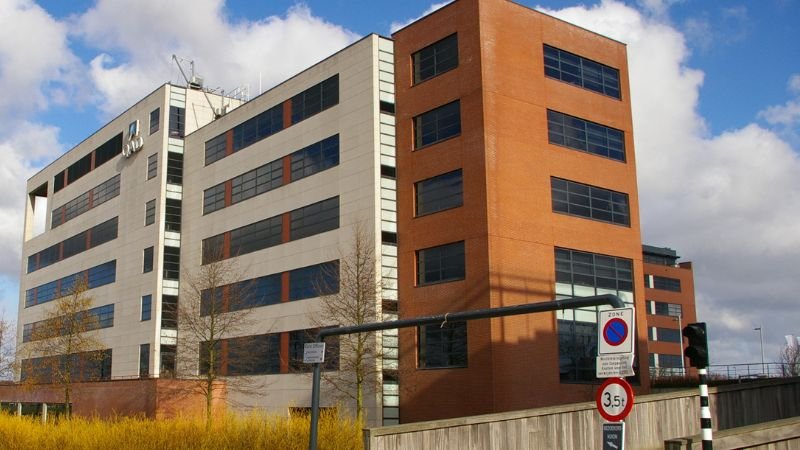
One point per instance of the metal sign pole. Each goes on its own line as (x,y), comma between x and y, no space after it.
(528,308)
(312,440)
(705,411)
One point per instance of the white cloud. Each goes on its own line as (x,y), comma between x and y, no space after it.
(729,202)
(794,83)
(401,24)
(138,38)
(36,64)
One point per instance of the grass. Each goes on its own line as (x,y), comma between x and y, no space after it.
(232,432)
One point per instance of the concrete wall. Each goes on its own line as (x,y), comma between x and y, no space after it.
(776,435)
(654,419)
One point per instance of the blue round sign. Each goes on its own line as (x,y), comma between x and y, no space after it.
(615,332)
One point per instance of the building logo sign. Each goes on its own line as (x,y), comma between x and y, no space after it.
(135,140)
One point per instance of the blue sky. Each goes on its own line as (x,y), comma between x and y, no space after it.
(715,94)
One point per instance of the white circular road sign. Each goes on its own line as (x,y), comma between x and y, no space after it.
(614,399)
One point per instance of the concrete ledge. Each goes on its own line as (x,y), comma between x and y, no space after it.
(784,430)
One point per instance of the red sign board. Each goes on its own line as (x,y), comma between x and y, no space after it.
(614,399)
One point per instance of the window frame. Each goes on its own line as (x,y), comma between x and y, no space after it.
(418,125)
(437,48)
(433,187)
(421,265)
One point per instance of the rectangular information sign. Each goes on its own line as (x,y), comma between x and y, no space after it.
(614,436)
(314,352)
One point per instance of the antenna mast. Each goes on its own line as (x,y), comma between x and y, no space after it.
(197,83)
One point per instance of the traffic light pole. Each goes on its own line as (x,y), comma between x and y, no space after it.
(705,411)
(528,308)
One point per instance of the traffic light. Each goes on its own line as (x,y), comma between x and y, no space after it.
(697,351)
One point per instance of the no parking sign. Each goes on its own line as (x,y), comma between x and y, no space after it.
(616,335)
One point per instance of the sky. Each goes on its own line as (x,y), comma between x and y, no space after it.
(715,89)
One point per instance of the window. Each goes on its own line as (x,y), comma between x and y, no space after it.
(96,276)
(664,309)
(665,335)
(259,127)
(215,148)
(586,136)
(144,360)
(439,193)
(88,320)
(666,283)
(155,117)
(81,242)
(442,346)
(314,281)
(169,312)
(59,181)
(150,212)
(214,198)
(577,70)
(440,264)
(214,248)
(102,154)
(315,99)
(386,107)
(260,291)
(147,305)
(172,215)
(583,200)
(177,122)
(79,169)
(436,58)
(582,274)
(248,355)
(88,366)
(107,151)
(101,193)
(388,237)
(152,166)
(388,171)
(257,181)
(256,236)
(314,219)
(315,158)
(147,260)
(175,168)
(437,125)
(172,263)
(666,361)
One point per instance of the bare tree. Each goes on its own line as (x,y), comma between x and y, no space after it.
(8,334)
(63,348)
(355,302)
(790,360)
(215,307)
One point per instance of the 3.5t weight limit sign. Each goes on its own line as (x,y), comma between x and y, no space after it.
(614,399)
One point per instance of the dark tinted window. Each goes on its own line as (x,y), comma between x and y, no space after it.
(150,212)
(144,360)
(259,127)
(108,150)
(314,219)
(667,284)
(439,264)
(177,121)
(256,236)
(97,235)
(172,263)
(155,118)
(101,275)
(104,232)
(437,125)
(174,168)
(436,58)
(79,169)
(443,345)
(577,70)
(147,260)
(439,193)
(592,269)
(315,158)
(172,215)
(665,335)
(96,276)
(152,166)
(215,148)
(147,306)
(315,99)
(214,198)
(314,281)
(257,181)
(582,200)
(169,312)
(586,136)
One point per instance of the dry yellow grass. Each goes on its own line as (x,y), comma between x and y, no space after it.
(254,431)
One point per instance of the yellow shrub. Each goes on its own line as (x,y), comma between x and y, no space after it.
(231,432)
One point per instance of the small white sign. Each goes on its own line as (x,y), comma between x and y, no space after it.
(615,331)
(314,352)
(611,366)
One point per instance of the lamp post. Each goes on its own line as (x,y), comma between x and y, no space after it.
(761,339)
(683,357)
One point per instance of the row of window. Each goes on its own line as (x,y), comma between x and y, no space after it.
(262,354)
(100,194)
(91,161)
(303,222)
(89,320)
(97,235)
(661,334)
(305,282)
(302,163)
(86,366)
(664,309)
(662,283)
(96,276)
(303,105)
(583,200)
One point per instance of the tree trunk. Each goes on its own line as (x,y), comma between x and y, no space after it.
(67,399)
(209,400)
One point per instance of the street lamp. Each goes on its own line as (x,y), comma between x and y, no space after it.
(761,339)
(680,329)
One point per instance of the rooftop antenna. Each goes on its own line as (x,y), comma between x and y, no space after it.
(196,83)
